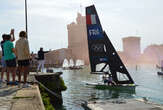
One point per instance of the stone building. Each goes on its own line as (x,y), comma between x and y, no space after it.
(152,54)
(77,44)
(131,48)
(56,57)
(131,54)
(77,39)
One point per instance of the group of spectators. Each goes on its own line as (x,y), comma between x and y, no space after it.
(16,59)
(13,56)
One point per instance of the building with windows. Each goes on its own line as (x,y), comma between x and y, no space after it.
(77,39)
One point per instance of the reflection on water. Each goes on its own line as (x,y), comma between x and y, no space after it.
(150,86)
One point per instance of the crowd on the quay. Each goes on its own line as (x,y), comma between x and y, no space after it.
(16,59)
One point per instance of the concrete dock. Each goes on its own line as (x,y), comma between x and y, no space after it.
(18,98)
(28,99)
(122,104)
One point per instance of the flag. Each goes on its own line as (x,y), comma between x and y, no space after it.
(91,19)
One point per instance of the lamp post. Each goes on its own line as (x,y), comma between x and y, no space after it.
(26,18)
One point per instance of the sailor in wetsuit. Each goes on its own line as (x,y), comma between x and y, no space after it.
(105,78)
(110,80)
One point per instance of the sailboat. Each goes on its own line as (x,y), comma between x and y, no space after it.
(101,51)
(79,64)
(161,68)
(65,64)
(71,64)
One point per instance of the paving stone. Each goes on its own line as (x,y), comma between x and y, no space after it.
(32,101)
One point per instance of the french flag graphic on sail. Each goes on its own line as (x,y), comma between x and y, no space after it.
(91,19)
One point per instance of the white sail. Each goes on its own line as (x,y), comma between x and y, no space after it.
(71,64)
(100,66)
(82,62)
(79,63)
(65,63)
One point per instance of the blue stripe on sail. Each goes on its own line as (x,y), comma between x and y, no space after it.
(94,32)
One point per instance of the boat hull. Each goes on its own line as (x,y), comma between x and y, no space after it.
(122,88)
(116,87)
(160,73)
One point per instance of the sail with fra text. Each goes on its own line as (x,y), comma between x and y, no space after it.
(101,50)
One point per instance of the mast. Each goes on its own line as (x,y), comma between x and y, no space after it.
(26,18)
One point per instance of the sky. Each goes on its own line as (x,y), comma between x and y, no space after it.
(48,19)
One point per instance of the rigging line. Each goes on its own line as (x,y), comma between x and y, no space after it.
(103,68)
(55,94)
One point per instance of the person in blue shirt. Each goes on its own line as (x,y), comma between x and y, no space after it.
(10,58)
(4,69)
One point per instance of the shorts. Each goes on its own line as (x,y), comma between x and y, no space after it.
(23,63)
(3,62)
(11,63)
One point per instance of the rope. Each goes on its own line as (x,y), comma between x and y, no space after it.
(59,96)
(50,91)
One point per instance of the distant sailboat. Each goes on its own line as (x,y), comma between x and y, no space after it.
(79,64)
(161,68)
(82,62)
(71,64)
(158,65)
(102,52)
(65,64)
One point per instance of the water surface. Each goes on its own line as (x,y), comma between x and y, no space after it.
(150,86)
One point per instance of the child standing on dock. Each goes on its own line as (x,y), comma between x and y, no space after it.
(10,58)
(23,56)
(3,59)
(3,62)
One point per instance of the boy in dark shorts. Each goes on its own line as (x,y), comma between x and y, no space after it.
(23,56)
(3,62)
(10,58)
(3,59)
